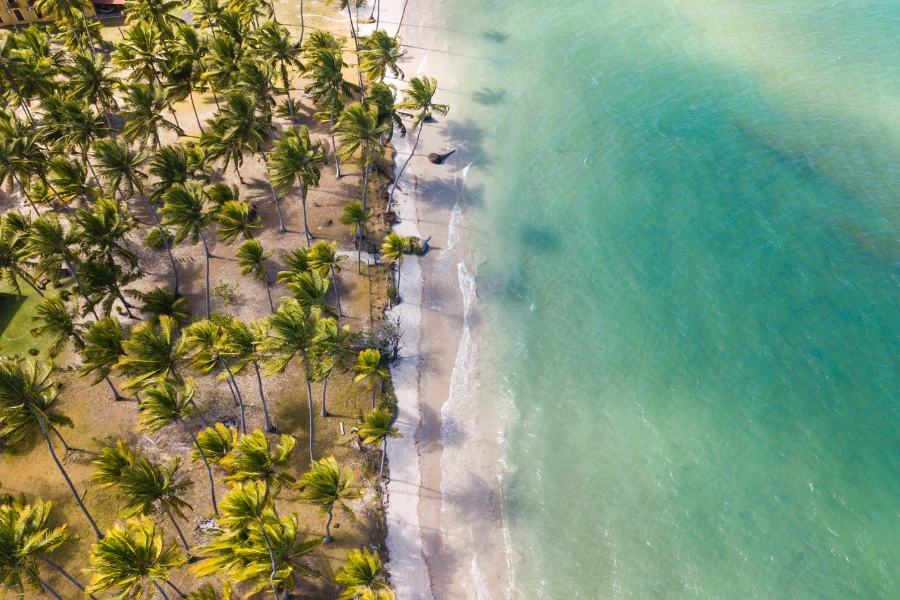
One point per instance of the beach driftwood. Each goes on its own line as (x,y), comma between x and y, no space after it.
(439,158)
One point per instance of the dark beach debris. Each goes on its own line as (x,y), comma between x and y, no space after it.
(439,158)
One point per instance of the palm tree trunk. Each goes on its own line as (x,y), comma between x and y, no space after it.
(373,394)
(177,591)
(337,296)
(231,389)
(80,287)
(287,90)
(49,589)
(324,389)
(337,164)
(178,529)
(206,250)
(269,293)
(378,18)
(303,203)
(278,208)
(383,454)
(328,527)
(87,30)
(27,196)
(359,250)
(65,574)
(403,168)
(162,233)
(402,13)
(262,396)
(40,420)
(66,446)
(194,106)
(302,24)
(312,424)
(240,398)
(399,269)
(124,303)
(174,115)
(362,92)
(365,185)
(269,546)
(115,392)
(160,590)
(212,483)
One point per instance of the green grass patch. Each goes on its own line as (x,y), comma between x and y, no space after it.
(16,312)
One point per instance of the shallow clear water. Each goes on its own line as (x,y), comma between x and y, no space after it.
(685,235)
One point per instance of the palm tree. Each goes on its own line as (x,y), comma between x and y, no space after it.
(382,96)
(164,404)
(309,289)
(222,63)
(216,442)
(360,131)
(328,88)
(252,459)
(155,13)
(58,322)
(324,258)
(103,229)
(295,332)
(183,207)
(163,301)
(70,124)
(377,429)
(131,558)
(370,365)
(363,573)
(346,4)
(68,181)
(104,281)
(245,344)
(325,485)
(90,80)
(14,252)
(27,399)
(333,350)
(273,42)
(208,592)
(142,484)
(21,157)
(62,10)
(203,342)
(54,245)
(234,219)
(24,540)
(252,259)
(151,353)
(380,54)
(142,51)
(121,168)
(297,261)
(419,98)
(144,114)
(102,349)
(258,79)
(174,165)
(236,129)
(184,71)
(392,249)
(296,159)
(356,217)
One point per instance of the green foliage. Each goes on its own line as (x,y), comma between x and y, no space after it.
(216,442)
(154,239)
(362,572)
(225,291)
(24,537)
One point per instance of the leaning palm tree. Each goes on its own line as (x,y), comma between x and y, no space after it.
(324,258)
(295,332)
(383,97)
(121,169)
(102,349)
(245,345)
(90,79)
(21,158)
(333,350)
(184,71)
(104,282)
(251,259)
(105,227)
(361,131)
(208,592)
(380,54)
(14,250)
(142,51)
(63,10)
(393,249)
(25,539)
(258,79)
(59,323)
(144,118)
(362,574)
(184,206)
(163,301)
(27,400)
(376,430)
(272,42)
(253,459)
(151,353)
(55,246)
(326,486)
(68,181)
(309,290)
(370,366)
(234,219)
(158,14)
(216,443)
(166,403)
(132,558)
(236,129)
(356,217)
(174,165)
(295,159)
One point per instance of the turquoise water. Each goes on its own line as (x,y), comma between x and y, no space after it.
(686,244)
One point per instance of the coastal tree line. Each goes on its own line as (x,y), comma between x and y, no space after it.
(81,144)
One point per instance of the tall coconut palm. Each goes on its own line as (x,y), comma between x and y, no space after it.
(174,165)
(104,228)
(25,539)
(309,290)
(297,261)
(158,14)
(356,218)
(54,246)
(184,71)
(63,10)
(184,207)
(90,79)
(346,4)
(222,63)
(21,157)
(324,258)
(142,51)
(370,366)
(258,79)
(143,485)
(121,169)
(15,264)
(272,42)
(326,486)
(203,341)
(295,330)
(104,283)
(216,442)
(166,403)
(245,345)
(333,350)
(361,131)
(70,124)
(376,430)
(379,55)
(362,573)
(393,249)
(253,459)
(251,258)
(208,592)
(68,181)
(151,353)
(163,301)
(296,159)
(235,219)
(102,349)
(144,118)
(383,97)
(27,400)
(58,322)
(132,558)
(236,129)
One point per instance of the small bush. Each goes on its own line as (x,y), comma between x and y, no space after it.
(154,240)
(33,351)
(225,291)
(65,295)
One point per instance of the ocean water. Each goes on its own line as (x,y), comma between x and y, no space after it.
(683,218)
